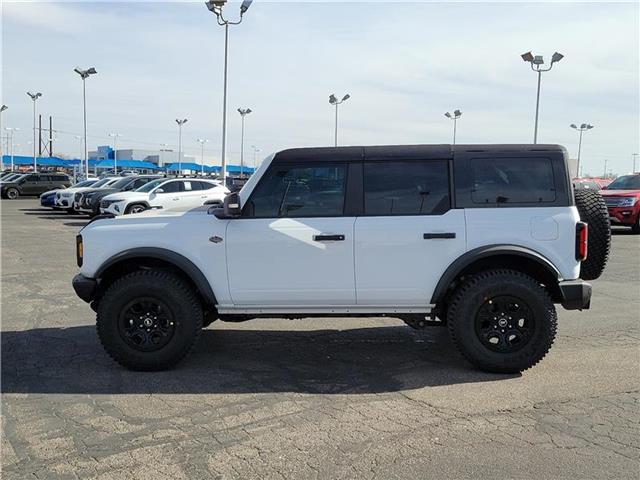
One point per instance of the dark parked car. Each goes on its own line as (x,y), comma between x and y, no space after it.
(88,201)
(34,184)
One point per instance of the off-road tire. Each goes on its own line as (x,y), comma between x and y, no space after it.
(636,226)
(130,209)
(166,287)
(11,193)
(476,291)
(593,211)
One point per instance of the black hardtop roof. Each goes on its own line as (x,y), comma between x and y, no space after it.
(406,151)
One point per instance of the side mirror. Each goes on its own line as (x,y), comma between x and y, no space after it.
(158,190)
(232,207)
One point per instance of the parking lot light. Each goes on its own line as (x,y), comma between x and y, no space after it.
(582,128)
(84,74)
(115,151)
(11,131)
(2,109)
(34,97)
(536,62)
(215,7)
(243,113)
(180,123)
(334,101)
(202,141)
(456,115)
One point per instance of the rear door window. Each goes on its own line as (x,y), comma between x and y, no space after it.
(512,180)
(406,187)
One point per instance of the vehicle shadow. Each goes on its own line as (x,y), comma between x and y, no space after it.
(621,231)
(364,360)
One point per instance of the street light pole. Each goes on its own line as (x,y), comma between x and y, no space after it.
(115,151)
(34,97)
(215,6)
(180,123)
(255,152)
(202,141)
(456,115)
(536,65)
(582,128)
(634,155)
(2,109)
(84,74)
(243,113)
(11,131)
(605,167)
(333,100)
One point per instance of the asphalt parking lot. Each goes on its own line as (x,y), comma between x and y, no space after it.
(321,398)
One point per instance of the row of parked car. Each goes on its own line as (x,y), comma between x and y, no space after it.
(117,195)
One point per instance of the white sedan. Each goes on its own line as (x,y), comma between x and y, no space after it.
(64,198)
(165,194)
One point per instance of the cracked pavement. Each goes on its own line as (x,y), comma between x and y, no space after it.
(318,398)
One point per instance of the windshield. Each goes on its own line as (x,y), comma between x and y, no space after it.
(121,183)
(151,185)
(100,183)
(11,177)
(626,182)
(86,183)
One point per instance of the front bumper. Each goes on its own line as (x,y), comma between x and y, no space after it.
(85,287)
(576,294)
(624,215)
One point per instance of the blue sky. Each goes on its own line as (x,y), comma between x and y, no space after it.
(403,64)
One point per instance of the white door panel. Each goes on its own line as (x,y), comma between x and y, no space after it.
(395,265)
(278,261)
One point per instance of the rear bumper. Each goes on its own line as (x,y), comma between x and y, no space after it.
(85,287)
(576,294)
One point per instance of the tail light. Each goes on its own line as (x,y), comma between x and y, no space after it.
(582,234)
(79,250)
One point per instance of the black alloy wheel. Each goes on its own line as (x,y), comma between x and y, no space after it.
(504,324)
(146,324)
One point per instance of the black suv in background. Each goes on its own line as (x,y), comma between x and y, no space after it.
(88,201)
(33,184)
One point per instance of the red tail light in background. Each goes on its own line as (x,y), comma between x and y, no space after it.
(582,234)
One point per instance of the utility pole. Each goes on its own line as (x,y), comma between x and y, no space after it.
(333,100)
(243,113)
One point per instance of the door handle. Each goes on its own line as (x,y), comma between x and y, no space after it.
(177,198)
(328,238)
(432,236)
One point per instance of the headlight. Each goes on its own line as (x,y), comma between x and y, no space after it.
(627,202)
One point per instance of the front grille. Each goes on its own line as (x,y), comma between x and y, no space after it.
(77,197)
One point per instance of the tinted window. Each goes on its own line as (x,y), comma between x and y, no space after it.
(59,178)
(299,191)
(512,180)
(406,188)
(207,185)
(172,187)
(626,182)
(139,182)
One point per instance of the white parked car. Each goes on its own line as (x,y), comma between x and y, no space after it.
(483,239)
(165,194)
(64,198)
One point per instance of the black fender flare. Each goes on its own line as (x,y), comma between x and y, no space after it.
(468,258)
(179,261)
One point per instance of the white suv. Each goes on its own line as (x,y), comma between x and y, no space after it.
(483,239)
(182,193)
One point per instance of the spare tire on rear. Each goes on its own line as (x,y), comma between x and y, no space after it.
(593,211)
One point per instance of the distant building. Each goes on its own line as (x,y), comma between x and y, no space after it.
(157,157)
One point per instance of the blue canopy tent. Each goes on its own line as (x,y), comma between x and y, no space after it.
(41,161)
(194,167)
(75,162)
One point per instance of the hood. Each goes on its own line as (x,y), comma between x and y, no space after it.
(73,191)
(620,193)
(118,195)
(51,192)
(102,191)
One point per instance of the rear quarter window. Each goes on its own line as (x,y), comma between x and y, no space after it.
(512,180)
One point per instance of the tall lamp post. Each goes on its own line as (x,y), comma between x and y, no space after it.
(180,123)
(582,128)
(334,101)
(634,155)
(243,113)
(11,131)
(84,74)
(202,141)
(255,153)
(215,6)
(115,151)
(34,97)
(536,62)
(2,109)
(456,115)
